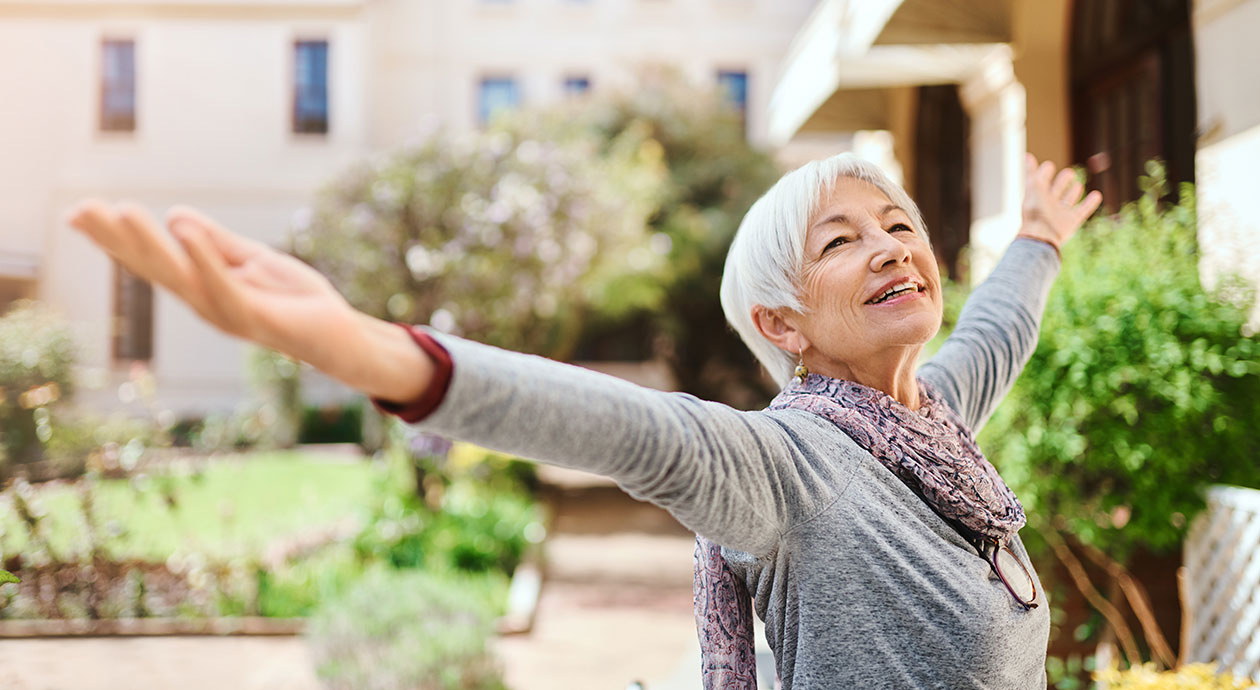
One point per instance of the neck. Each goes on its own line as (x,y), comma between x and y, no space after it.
(892,373)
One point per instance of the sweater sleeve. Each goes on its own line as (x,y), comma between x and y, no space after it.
(735,477)
(996,332)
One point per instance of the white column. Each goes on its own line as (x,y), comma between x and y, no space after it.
(995,102)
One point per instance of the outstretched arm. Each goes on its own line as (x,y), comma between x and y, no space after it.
(733,476)
(997,330)
(249,290)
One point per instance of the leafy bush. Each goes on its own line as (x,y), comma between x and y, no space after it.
(407,629)
(471,512)
(337,424)
(277,382)
(1142,391)
(507,236)
(36,356)
(1189,677)
(714,177)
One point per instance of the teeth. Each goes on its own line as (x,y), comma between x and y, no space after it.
(907,285)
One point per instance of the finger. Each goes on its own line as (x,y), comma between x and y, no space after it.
(1062,181)
(162,261)
(1088,205)
(1073,192)
(234,248)
(1045,171)
(225,298)
(96,219)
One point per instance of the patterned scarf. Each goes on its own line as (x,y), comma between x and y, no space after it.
(931,450)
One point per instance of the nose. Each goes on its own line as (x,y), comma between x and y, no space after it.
(887,251)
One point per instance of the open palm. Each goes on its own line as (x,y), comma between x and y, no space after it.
(241,286)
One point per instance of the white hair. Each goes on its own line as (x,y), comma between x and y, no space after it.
(767,256)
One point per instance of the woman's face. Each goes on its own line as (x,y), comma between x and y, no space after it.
(870,280)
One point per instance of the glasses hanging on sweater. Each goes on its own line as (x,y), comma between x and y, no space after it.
(1011,571)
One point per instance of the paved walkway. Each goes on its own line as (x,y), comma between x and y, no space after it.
(157,663)
(615,608)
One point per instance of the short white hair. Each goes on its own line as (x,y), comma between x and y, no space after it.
(767,257)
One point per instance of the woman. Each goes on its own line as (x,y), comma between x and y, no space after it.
(856,509)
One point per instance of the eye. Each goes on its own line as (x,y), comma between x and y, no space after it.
(901,227)
(835,243)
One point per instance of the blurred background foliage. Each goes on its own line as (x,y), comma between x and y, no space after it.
(612,216)
(1144,388)
(714,177)
(37,353)
(407,629)
(508,236)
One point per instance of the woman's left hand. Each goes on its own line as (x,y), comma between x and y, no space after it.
(1053,207)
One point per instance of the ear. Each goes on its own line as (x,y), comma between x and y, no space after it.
(777,326)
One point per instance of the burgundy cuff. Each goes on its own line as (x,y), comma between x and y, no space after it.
(418,409)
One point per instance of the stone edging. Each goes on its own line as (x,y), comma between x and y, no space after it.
(140,627)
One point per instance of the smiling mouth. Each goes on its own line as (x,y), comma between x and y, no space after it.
(895,291)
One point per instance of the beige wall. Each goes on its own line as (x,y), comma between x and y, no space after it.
(432,55)
(214,89)
(1227,70)
(213,98)
(1041,48)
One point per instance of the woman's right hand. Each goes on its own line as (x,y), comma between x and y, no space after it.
(1053,208)
(249,290)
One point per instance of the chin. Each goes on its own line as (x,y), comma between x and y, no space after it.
(915,330)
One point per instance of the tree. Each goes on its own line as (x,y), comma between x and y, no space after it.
(510,236)
(714,177)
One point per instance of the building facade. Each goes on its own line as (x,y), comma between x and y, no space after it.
(244,108)
(964,87)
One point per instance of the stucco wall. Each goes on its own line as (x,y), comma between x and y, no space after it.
(1227,70)
(213,130)
(214,89)
(1041,46)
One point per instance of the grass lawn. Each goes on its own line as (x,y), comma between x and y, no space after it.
(232,507)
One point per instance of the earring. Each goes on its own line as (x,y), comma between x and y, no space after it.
(801,370)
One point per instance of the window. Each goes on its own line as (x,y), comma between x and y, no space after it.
(496,95)
(734,88)
(310,87)
(576,85)
(118,86)
(133,317)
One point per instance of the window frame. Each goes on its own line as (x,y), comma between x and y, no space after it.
(484,114)
(108,122)
(300,123)
(740,106)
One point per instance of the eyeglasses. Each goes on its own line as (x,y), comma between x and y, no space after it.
(1011,571)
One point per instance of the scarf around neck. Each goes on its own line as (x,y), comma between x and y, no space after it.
(931,450)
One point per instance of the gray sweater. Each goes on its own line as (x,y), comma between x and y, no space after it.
(860,584)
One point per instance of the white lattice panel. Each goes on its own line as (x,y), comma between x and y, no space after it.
(1222,582)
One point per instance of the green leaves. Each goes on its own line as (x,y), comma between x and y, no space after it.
(7,577)
(1143,389)
(506,236)
(37,354)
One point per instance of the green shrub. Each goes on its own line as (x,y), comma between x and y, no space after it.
(1143,389)
(507,236)
(714,177)
(336,424)
(476,514)
(36,356)
(412,630)
(277,384)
